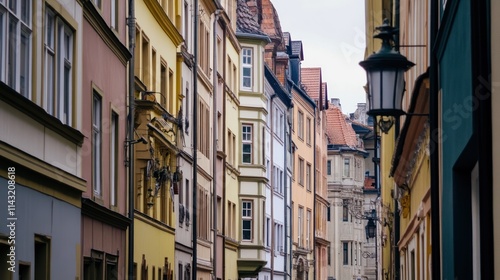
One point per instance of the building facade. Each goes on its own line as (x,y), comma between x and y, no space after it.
(42,138)
(252,122)
(156,119)
(104,91)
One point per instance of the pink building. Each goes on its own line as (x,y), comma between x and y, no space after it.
(104,90)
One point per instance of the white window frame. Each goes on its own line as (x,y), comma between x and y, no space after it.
(300,225)
(114,14)
(58,61)
(246,64)
(246,139)
(246,215)
(347,167)
(308,176)
(16,45)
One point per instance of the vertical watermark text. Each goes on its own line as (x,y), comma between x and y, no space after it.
(11,218)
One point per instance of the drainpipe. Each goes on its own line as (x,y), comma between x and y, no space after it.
(397,229)
(434,148)
(194,264)
(214,141)
(314,196)
(131,117)
(286,204)
(273,241)
(225,158)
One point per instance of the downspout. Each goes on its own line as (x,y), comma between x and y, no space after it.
(287,206)
(273,241)
(434,145)
(314,197)
(131,117)
(397,229)
(225,158)
(214,141)
(194,264)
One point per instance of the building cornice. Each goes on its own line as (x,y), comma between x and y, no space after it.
(163,20)
(108,36)
(96,211)
(37,113)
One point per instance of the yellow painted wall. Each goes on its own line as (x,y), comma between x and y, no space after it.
(300,195)
(155,243)
(387,184)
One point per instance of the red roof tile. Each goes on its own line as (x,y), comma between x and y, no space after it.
(339,131)
(311,79)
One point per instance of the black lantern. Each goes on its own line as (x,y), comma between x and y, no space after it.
(385,75)
(371,229)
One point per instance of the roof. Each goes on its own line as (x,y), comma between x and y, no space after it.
(311,79)
(297,49)
(270,22)
(245,22)
(338,130)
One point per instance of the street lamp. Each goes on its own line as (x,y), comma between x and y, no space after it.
(371,229)
(385,75)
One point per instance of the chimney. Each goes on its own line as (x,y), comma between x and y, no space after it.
(336,102)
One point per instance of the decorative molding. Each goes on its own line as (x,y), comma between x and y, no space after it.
(164,21)
(95,19)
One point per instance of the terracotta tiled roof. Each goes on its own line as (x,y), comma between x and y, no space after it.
(339,131)
(246,22)
(311,79)
(270,23)
(369,183)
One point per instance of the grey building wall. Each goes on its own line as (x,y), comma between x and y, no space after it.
(40,214)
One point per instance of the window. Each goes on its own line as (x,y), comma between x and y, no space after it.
(203,210)
(113,176)
(114,14)
(301,172)
(111,267)
(345,212)
(246,139)
(204,128)
(187,192)
(246,65)
(179,272)
(300,124)
(278,236)
(246,220)
(98,3)
(42,257)
(15,45)
(308,130)
(308,229)
(204,48)
(300,225)
(347,167)
(345,252)
(267,232)
(329,167)
(58,98)
(96,144)
(219,214)
(186,25)
(308,176)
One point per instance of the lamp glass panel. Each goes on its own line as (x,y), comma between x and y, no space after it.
(373,78)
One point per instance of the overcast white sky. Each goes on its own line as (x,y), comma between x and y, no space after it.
(332,35)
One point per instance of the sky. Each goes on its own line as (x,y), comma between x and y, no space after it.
(333,38)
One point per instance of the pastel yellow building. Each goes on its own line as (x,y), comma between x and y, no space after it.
(157,76)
